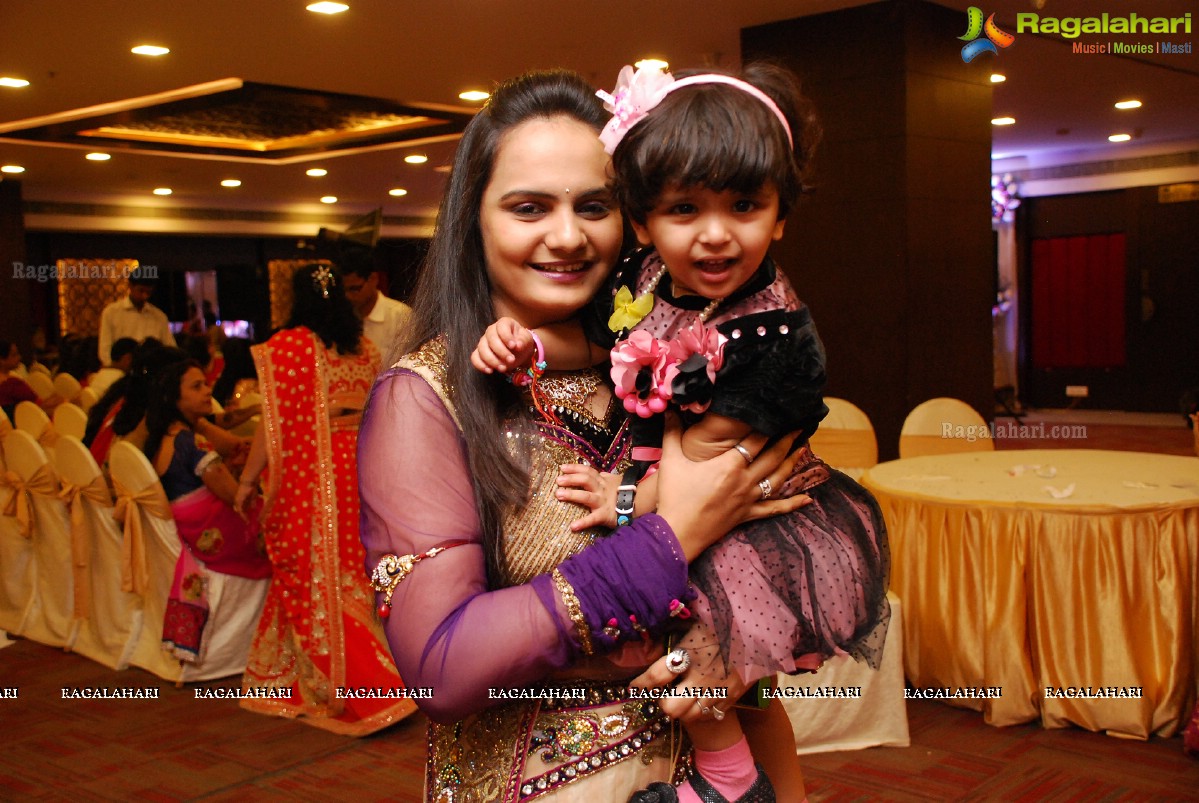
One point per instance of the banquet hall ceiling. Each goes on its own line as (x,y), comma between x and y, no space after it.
(418,52)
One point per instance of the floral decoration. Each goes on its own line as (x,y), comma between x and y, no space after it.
(696,354)
(649,372)
(635,94)
(627,311)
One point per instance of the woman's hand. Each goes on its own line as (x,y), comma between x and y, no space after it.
(703,685)
(704,500)
(245,492)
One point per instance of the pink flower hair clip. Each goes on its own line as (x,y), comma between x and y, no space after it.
(635,94)
(638,92)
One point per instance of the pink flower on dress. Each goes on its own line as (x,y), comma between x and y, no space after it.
(635,94)
(696,354)
(639,366)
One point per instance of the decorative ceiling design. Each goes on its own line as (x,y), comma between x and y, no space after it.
(241,120)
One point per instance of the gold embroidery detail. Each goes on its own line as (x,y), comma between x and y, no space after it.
(576,612)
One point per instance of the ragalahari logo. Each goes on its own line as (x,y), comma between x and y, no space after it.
(975,27)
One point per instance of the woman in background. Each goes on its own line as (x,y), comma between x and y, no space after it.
(318,632)
(201,490)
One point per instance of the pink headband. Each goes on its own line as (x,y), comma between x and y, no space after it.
(636,93)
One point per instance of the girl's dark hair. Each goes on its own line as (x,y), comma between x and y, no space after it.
(719,137)
(319,303)
(134,387)
(239,364)
(162,408)
(453,294)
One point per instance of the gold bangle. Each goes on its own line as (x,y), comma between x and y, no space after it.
(391,570)
(574,610)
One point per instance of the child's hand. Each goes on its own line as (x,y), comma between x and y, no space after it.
(592,489)
(504,347)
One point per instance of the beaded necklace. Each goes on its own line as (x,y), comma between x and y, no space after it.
(644,300)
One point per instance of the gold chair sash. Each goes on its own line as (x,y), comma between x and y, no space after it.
(135,577)
(845,448)
(48,437)
(20,504)
(81,536)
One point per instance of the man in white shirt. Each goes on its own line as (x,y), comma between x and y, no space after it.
(382,317)
(122,360)
(133,316)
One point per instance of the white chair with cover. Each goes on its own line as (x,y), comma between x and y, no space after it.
(69,419)
(88,399)
(944,426)
(16,551)
(41,383)
(50,620)
(67,387)
(878,718)
(33,419)
(234,603)
(5,425)
(109,618)
(845,439)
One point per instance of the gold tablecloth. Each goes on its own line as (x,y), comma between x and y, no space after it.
(1007,585)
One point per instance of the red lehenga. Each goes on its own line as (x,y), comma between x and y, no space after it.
(318,635)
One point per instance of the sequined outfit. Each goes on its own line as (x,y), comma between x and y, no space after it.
(318,635)
(784,593)
(476,636)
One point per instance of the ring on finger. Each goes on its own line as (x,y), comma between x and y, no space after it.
(749,458)
(717,714)
(677,661)
(703,709)
(767,489)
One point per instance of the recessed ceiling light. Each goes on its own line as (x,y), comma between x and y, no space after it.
(12,169)
(150,50)
(1119,138)
(1128,104)
(329,199)
(231,182)
(442,169)
(474,94)
(14,83)
(398,192)
(416,158)
(998,78)
(328,8)
(316,172)
(646,64)
(162,191)
(1003,121)
(98,157)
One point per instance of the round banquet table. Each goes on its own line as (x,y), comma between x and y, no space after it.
(1066,578)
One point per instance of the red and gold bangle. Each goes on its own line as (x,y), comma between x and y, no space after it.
(567,591)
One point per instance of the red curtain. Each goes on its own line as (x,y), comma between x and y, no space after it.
(1078,301)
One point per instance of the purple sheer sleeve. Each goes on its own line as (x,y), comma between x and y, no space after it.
(447,630)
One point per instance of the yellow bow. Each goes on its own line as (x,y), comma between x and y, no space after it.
(135,577)
(81,536)
(627,311)
(20,504)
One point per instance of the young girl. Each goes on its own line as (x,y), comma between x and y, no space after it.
(707,167)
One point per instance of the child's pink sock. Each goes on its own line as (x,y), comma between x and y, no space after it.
(730,771)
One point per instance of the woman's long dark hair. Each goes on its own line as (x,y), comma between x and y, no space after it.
(319,303)
(162,408)
(134,387)
(453,294)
